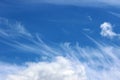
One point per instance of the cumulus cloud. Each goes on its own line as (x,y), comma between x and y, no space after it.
(6,69)
(60,69)
(106,30)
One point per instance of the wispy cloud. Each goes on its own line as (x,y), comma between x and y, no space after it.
(115,14)
(75,62)
(9,29)
(63,61)
(97,3)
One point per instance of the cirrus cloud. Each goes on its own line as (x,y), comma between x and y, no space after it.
(67,62)
(97,3)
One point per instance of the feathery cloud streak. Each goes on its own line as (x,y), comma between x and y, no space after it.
(67,62)
(8,29)
(97,3)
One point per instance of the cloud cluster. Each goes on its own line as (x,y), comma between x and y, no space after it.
(60,69)
(62,61)
(79,64)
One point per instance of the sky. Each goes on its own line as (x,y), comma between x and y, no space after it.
(59,40)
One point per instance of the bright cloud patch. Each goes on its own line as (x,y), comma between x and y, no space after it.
(106,30)
(60,69)
(101,63)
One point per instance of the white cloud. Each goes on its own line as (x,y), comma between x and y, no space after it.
(115,14)
(79,64)
(20,29)
(107,30)
(9,29)
(59,69)
(6,69)
(65,61)
(98,3)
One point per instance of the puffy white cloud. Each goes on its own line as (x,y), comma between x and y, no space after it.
(107,31)
(59,69)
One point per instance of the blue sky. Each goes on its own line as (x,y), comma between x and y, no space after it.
(59,40)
